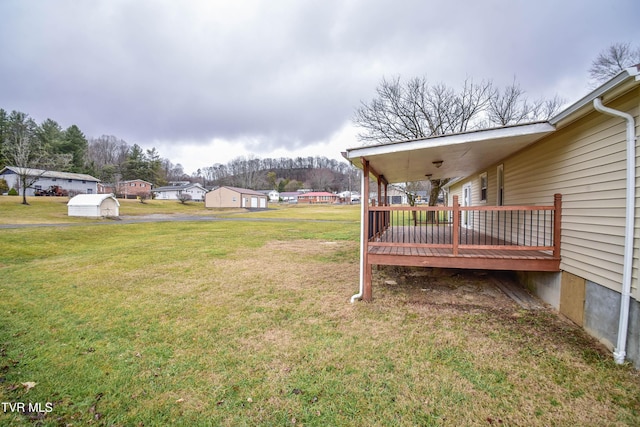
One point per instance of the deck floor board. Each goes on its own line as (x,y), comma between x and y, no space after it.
(419,254)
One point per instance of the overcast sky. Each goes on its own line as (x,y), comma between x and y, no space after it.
(207,81)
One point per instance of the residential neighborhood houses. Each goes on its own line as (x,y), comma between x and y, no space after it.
(194,192)
(54,183)
(134,188)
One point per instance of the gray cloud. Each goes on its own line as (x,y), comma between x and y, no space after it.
(282,73)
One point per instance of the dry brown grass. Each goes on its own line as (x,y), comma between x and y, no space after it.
(242,323)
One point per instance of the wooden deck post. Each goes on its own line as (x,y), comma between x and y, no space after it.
(456,226)
(364,198)
(557,224)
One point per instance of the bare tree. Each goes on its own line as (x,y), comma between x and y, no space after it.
(105,156)
(321,179)
(612,60)
(107,150)
(419,110)
(509,106)
(23,149)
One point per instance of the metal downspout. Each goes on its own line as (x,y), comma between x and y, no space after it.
(363,200)
(619,353)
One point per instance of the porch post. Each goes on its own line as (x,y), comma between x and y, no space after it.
(557,224)
(386,197)
(367,288)
(456,225)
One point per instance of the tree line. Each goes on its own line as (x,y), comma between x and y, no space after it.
(282,174)
(27,144)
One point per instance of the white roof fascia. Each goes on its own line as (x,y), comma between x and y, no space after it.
(446,140)
(586,102)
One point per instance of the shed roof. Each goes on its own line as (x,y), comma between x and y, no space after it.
(91,199)
(244,191)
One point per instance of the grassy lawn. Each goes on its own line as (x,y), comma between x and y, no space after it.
(238,323)
(53,210)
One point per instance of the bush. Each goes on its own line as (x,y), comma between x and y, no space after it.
(13,192)
(4,187)
(184,198)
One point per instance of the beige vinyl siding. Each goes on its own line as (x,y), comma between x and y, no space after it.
(586,163)
(456,190)
(223,198)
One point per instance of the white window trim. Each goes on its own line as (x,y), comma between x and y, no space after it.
(500,185)
(466,202)
(486,188)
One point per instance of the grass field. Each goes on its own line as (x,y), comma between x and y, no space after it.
(238,323)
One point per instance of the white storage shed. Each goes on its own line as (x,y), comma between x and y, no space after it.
(94,205)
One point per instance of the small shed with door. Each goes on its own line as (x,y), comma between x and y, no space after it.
(233,197)
(94,205)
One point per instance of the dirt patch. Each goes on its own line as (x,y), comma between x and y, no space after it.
(305,247)
(463,288)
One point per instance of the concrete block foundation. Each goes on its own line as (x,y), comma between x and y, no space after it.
(601,310)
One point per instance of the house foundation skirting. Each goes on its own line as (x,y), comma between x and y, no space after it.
(600,312)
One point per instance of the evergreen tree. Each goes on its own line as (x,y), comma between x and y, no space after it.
(136,165)
(4,123)
(74,143)
(51,136)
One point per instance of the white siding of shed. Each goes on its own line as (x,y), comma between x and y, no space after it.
(93,206)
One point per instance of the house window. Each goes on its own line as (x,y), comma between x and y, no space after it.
(500,173)
(132,184)
(483,187)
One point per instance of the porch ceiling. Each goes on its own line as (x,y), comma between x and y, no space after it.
(461,154)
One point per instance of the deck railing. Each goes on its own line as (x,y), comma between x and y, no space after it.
(468,227)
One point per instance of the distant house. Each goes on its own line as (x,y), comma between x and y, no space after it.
(196,191)
(134,188)
(77,183)
(233,197)
(290,196)
(93,205)
(106,188)
(348,197)
(318,197)
(274,196)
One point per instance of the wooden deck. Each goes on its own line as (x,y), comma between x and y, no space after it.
(521,238)
(433,247)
